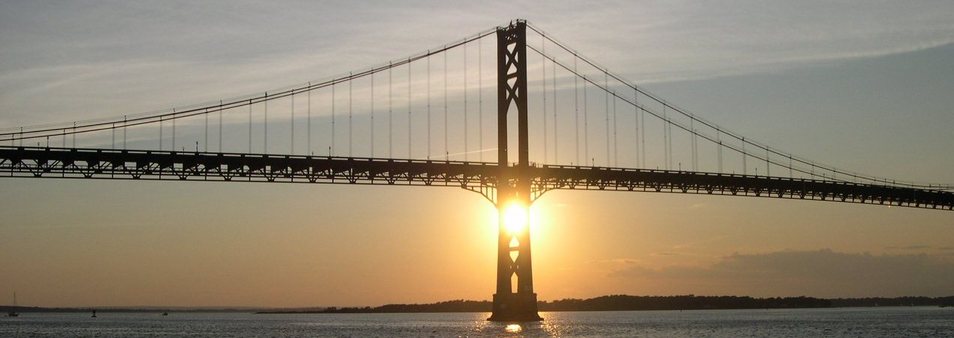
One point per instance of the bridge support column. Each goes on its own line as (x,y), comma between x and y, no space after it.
(513,302)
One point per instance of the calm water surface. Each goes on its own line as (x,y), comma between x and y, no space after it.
(852,322)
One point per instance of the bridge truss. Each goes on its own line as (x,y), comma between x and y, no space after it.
(481,177)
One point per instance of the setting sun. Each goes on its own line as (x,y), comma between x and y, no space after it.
(373,169)
(515,218)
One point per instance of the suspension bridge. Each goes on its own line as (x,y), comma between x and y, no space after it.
(430,120)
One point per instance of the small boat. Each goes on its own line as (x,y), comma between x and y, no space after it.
(13,312)
(165,313)
(94,314)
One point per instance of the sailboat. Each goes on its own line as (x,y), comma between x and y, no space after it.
(13,312)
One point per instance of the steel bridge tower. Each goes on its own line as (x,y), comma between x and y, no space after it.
(513,302)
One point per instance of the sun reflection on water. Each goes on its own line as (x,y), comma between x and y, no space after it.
(513,328)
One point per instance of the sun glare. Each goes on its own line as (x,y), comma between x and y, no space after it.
(515,218)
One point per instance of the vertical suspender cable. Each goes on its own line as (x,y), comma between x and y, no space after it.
(666,138)
(465,104)
(719,139)
(205,145)
(124,132)
(428,104)
(615,140)
(446,151)
(606,108)
(390,113)
(745,169)
(409,108)
(308,123)
(249,125)
(672,156)
(265,141)
(636,133)
(332,151)
(113,133)
(480,98)
(790,175)
(543,72)
(695,146)
(642,133)
(173,129)
(371,131)
(350,118)
(692,133)
(576,110)
(220,126)
(293,122)
(556,141)
(586,123)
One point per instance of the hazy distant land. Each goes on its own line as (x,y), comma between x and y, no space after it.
(603,303)
(638,303)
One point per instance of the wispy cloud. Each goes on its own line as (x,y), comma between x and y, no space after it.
(252,47)
(682,39)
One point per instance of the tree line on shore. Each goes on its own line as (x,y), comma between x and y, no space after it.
(603,303)
(636,303)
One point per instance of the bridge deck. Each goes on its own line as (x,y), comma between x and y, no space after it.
(477,176)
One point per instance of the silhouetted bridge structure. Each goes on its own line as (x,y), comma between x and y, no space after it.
(476,176)
(505,182)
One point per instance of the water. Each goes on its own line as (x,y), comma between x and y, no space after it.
(849,322)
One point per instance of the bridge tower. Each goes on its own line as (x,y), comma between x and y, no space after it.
(513,302)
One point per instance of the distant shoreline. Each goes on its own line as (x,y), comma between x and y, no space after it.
(116,309)
(643,303)
(603,303)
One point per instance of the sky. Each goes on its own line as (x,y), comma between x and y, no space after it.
(860,85)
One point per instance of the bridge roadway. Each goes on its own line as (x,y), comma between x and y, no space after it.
(476,176)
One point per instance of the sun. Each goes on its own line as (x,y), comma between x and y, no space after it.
(515,218)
